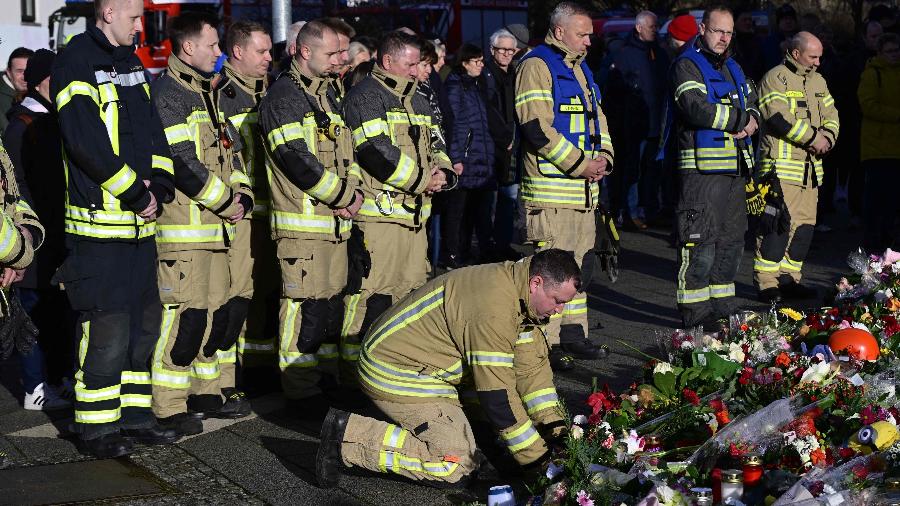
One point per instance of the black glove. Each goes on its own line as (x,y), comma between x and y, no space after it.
(359,261)
(16,330)
(775,217)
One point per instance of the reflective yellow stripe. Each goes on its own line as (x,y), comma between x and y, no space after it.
(404,171)
(490,358)
(689,85)
(74,89)
(92,417)
(721,291)
(120,181)
(162,163)
(83,394)
(178,133)
(763,265)
(212,193)
(534,95)
(10,241)
(522,437)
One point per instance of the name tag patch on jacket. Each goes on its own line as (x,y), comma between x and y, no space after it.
(571,108)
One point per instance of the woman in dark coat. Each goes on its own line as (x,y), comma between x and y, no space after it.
(471,149)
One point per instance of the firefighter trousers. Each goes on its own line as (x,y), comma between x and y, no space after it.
(313,276)
(426,442)
(258,343)
(112,288)
(193,288)
(574,231)
(711,218)
(779,257)
(399,265)
(237,305)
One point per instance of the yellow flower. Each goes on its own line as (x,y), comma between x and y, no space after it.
(792,314)
(865,318)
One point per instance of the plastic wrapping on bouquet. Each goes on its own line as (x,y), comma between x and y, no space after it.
(501,495)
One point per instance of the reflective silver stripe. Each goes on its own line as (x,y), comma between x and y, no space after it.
(521,438)
(395,437)
(130,79)
(541,399)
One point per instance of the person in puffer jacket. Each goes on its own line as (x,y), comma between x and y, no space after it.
(471,149)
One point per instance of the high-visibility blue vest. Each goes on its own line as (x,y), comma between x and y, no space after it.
(571,119)
(715,151)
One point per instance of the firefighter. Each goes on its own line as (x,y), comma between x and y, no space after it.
(314,196)
(212,195)
(21,234)
(801,126)
(566,150)
(484,323)
(118,175)
(403,161)
(714,116)
(251,257)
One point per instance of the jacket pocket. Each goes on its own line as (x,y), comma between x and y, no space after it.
(296,282)
(174,275)
(693,223)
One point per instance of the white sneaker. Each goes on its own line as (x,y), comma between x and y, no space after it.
(45,399)
(66,390)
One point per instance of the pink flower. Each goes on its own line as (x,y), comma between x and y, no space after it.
(584,499)
(560,492)
(891,256)
(608,442)
(844,325)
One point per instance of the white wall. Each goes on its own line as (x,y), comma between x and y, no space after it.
(15,33)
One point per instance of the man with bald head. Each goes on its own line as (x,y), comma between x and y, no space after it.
(801,126)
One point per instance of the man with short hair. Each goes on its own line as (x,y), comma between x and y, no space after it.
(213,194)
(12,83)
(345,32)
(638,73)
(500,83)
(403,160)
(566,150)
(118,175)
(251,257)
(483,323)
(314,196)
(715,113)
(801,127)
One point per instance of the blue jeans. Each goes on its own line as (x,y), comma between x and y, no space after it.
(31,363)
(505,215)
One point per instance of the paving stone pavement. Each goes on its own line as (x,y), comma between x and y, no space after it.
(269,458)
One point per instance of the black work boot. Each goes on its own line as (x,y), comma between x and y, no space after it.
(583,349)
(329,464)
(107,446)
(155,435)
(237,405)
(797,291)
(312,408)
(183,423)
(561,361)
(770,295)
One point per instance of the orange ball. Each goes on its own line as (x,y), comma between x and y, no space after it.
(859,344)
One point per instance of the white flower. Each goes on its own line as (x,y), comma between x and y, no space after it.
(577,432)
(605,426)
(712,422)
(580,420)
(735,353)
(860,326)
(633,397)
(687,344)
(662,368)
(633,442)
(664,493)
(816,373)
(883,295)
(711,343)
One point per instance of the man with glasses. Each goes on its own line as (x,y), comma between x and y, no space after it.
(715,113)
(500,82)
(566,150)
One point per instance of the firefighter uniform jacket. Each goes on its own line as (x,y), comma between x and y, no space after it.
(397,143)
(476,324)
(312,170)
(208,169)
(562,128)
(239,99)
(713,100)
(796,105)
(110,148)
(15,250)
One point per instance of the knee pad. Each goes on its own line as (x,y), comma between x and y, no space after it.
(335,316)
(191,327)
(587,269)
(313,324)
(800,243)
(376,305)
(237,316)
(772,247)
(217,330)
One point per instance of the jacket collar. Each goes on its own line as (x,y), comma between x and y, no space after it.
(571,58)
(189,76)
(521,278)
(251,85)
(314,85)
(34,105)
(400,86)
(795,67)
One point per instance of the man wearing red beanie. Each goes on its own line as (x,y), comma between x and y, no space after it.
(682,29)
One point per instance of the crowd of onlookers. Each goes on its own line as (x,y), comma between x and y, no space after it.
(473,98)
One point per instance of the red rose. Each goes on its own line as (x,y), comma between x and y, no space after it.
(846,453)
(860,471)
(691,396)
